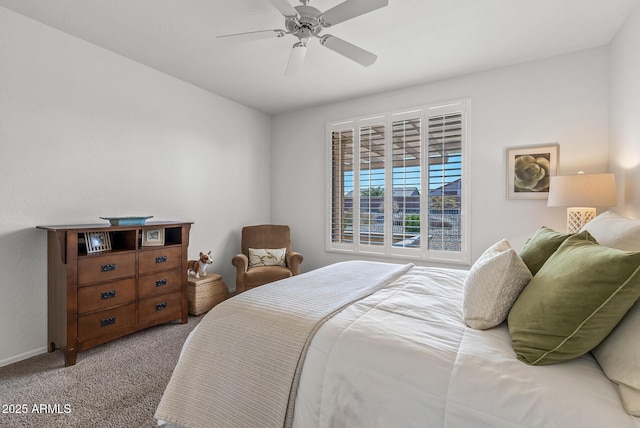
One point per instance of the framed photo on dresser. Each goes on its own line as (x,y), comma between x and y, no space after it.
(152,237)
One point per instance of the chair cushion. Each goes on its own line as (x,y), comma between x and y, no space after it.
(264,274)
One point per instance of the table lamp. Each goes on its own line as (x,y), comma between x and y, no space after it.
(580,193)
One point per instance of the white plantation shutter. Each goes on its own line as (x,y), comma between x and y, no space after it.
(406,148)
(342,179)
(372,184)
(445,179)
(397,184)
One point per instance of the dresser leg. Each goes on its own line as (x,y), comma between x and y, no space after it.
(70,357)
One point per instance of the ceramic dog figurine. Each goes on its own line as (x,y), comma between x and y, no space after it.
(198,267)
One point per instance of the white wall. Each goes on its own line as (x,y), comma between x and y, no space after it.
(625,114)
(562,99)
(87,133)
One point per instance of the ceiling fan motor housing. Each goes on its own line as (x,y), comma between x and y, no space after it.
(306,25)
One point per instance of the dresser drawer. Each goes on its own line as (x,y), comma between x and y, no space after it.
(159,283)
(108,323)
(158,260)
(105,267)
(165,308)
(106,295)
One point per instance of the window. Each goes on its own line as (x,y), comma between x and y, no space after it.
(396,185)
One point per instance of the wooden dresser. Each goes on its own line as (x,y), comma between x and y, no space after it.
(96,297)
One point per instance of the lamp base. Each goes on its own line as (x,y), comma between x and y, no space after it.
(577,217)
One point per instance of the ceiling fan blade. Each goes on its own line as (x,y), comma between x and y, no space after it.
(284,7)
(296,59)
(352,52)
(350,9)
(253,35)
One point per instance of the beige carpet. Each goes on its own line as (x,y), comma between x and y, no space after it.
(118,384)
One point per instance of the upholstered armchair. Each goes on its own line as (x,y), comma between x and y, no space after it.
(256,267)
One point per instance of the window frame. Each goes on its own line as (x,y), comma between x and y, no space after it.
(387,250)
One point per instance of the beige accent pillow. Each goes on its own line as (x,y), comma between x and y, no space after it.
(494,282)
(615,231)
(619,357)
(267,257)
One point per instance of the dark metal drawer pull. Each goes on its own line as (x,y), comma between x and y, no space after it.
(108,294)
(108,268)
(161,282)
(161,259)
(161,306)
(107,321)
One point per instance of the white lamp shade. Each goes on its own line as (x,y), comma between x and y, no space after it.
(583,190)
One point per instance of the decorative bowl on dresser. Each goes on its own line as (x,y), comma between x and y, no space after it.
(95,297)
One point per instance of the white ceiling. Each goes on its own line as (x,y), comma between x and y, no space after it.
(416,41)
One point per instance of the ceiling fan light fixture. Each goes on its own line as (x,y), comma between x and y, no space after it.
(296,58)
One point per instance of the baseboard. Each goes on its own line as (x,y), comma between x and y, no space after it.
(24,356)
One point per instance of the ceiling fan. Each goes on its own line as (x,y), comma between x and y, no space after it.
(305,22)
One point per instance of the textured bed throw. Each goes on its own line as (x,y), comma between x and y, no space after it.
(242,366)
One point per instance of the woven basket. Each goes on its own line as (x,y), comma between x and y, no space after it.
(205,292)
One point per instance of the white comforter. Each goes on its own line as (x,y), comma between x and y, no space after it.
(403,357)
(242,367)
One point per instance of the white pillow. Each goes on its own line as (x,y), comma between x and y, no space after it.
(615,231)
(267,257)
(493,285)
(619,353)
(619,357)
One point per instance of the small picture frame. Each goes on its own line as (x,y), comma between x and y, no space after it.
(152,237)
(529,170)
(97,242)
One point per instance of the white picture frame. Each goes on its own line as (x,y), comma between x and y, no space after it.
(152,237)
(97,242)
(529,169)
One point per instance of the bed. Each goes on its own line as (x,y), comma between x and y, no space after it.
(397,351)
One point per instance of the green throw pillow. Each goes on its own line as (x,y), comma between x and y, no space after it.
(574,301)
(540,246)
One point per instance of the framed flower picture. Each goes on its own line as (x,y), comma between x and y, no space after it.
(529,170)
